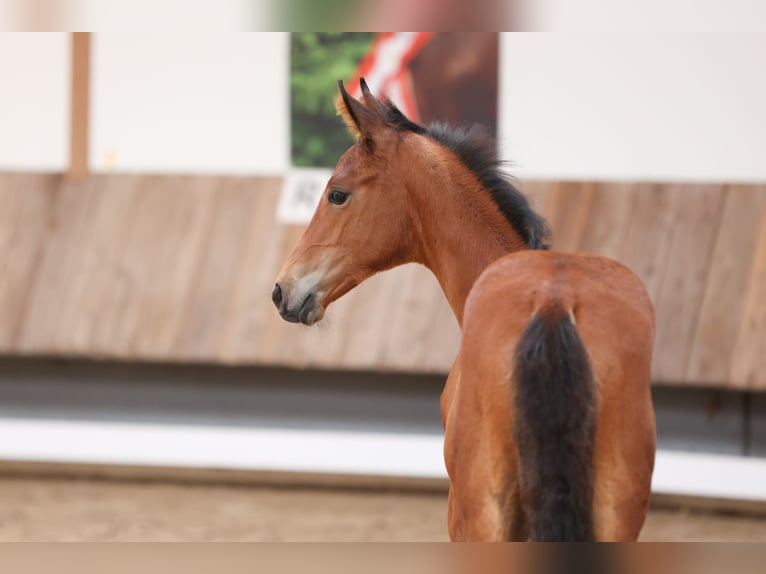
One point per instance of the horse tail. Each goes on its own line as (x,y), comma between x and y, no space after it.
(555,424)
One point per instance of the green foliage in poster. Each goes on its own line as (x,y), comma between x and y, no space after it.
(317,61)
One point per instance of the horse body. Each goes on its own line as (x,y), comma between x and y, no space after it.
(549,425)
(612,314)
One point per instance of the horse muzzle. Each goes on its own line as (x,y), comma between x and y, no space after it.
(297,307)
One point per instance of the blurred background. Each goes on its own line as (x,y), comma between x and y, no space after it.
(152,184)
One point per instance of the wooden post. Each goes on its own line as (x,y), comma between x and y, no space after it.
(78,150)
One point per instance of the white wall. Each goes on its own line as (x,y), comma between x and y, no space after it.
(197,103)
(636,106)
(645,16)
(34,101)
(587,106)
(177,15)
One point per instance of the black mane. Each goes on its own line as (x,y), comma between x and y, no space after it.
(478,151)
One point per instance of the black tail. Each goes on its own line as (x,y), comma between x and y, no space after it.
(555,427)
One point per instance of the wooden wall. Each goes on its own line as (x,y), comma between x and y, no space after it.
(172,268)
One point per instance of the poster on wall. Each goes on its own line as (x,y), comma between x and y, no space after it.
(442,76)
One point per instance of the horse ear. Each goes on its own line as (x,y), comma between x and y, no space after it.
(360,120)
(368,99)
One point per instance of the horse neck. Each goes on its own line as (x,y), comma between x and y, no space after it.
(460,230)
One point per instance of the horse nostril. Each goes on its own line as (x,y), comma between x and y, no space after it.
(276,295)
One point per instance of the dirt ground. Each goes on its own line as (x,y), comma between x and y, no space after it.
(46,509)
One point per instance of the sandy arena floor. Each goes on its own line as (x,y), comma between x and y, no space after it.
(96,510)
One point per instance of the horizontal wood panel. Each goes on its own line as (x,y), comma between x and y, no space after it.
(180,269)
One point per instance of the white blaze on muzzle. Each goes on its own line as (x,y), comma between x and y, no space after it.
(299,289)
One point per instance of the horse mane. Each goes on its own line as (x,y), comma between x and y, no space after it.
(477,149)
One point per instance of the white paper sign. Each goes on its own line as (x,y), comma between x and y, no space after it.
(300,195)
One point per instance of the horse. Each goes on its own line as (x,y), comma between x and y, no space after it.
(547,410)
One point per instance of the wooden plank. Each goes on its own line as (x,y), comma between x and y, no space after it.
(212,282)
(690,247)
(250,303)
(162,252)
(724,302)
(97,283)
(325,344)
(566,210)
(443,340)
(80,105)
(370,317)
(749,360)
(11,208)
(644,249)
(410,319)
(102,285)
(611,209)
(25,204)
(43,331)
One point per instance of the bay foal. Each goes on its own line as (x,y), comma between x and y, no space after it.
(549,424)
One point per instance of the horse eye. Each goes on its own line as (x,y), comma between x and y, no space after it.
(337,197)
